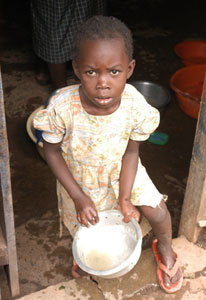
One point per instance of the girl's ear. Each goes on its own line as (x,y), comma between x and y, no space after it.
(131,68)
(75,68)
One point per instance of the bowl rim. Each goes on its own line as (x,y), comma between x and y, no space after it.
(186,68)
(29,122)
(118,268)
(177,73)
(149,83)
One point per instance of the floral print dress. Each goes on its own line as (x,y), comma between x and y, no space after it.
(93,146)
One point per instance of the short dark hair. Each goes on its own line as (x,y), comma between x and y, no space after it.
(103,27)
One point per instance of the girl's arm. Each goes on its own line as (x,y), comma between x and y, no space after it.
(85,208)
(127,176)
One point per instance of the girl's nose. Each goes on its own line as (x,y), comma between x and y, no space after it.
(102,82)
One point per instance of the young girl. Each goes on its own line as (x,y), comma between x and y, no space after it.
(91,137)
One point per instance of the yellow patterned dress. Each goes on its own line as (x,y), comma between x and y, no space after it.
(93,146)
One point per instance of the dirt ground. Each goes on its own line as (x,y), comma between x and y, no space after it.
(157,26)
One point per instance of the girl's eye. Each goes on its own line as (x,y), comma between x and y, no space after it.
(91,72)
(115,72)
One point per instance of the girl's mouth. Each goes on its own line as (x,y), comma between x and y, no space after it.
(104,100)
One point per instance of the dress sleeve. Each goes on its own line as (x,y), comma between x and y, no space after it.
(146,119)
(51,123)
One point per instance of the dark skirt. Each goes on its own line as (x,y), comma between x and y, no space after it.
(54,25)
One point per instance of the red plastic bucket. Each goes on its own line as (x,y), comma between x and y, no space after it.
(192,52)
(187,84)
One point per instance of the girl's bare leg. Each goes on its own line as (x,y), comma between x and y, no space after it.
(160,220)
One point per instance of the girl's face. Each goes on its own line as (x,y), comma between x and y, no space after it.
(103,67)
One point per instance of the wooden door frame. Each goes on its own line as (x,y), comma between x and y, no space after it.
(193,215)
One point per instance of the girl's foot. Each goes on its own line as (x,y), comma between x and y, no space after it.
(77,272)
(169,274)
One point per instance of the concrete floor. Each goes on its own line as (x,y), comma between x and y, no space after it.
(44,259)
(140,283)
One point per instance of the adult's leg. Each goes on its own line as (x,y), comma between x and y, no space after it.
(58,75)
(41,71)
(160,220)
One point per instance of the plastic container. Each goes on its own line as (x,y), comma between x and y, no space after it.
(191,52)
(31,131)
(187,83)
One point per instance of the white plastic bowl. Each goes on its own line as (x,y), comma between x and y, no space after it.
(31,131)
(109,249)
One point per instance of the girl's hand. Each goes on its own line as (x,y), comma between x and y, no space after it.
(129,210)
(86,211)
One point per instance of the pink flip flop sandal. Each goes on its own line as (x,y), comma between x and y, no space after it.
(74,270)
(162,268)
(76,275)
